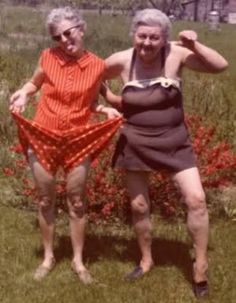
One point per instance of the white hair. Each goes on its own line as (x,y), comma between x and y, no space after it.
(151,17)
(65,13)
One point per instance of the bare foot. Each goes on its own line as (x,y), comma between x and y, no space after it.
(82,273)
(44,269)
(146,266)
(200,272)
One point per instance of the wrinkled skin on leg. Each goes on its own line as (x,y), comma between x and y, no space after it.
(45,185)
(76,181)
(190,186)
(137,184)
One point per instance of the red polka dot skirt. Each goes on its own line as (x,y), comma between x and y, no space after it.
(67,148)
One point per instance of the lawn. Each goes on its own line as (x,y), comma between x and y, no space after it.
(110,253)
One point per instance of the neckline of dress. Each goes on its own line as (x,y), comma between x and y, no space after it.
(163,81)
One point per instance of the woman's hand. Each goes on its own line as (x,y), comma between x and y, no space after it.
(111,112)
(187,38)
(110,97)
(18,101)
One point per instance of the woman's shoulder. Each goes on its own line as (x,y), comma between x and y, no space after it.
(117,63)
(176,53)
(50,52)
(93,60)
(46,55)
(93,56)
(121,57)
(46,51)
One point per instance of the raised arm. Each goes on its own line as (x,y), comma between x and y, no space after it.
(199,57)
(19,99)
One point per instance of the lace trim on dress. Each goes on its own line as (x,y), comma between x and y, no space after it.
(163,81)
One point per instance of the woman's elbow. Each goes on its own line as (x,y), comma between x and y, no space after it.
(223,65)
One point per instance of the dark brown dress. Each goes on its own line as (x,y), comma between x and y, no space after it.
(154,136)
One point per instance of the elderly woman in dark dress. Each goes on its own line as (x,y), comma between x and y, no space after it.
(154,136)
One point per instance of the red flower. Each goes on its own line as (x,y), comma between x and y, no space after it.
(94,163)
(17,148)
(8,171)
(21,163)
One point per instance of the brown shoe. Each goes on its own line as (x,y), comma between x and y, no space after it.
(135,274)
(201,289)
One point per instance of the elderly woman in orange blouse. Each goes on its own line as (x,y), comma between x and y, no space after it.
(60,135)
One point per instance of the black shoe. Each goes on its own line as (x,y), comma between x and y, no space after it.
(135,274)
(201,289)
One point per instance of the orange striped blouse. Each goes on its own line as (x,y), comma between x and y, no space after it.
(68,89)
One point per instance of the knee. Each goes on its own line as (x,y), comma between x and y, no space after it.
(45,203)
(140,206)
(76,207)
(196,202)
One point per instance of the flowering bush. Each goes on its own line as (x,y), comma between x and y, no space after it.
(217,161)
(106,193)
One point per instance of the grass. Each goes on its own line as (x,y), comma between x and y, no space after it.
(110,253)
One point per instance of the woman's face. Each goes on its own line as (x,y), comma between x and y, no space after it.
(148,40)
(69,37)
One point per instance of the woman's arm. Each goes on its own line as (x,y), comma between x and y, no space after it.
(118,64)
(114,66)
(199,57)
(102,109)
(110,97)
(19,99)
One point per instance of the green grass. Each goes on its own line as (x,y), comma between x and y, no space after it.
(110,253)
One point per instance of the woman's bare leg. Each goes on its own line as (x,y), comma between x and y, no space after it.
(137,184)
(76,181)
(45,185)
(197,221)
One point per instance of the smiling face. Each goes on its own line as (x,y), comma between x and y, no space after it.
(148,41)
(69,37)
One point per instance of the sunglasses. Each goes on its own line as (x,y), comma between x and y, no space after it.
(66,33)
